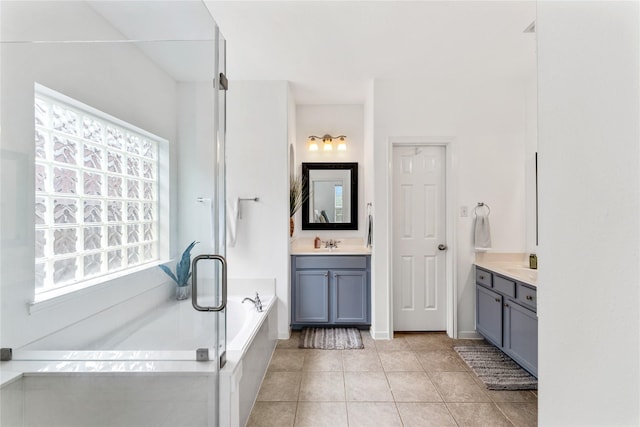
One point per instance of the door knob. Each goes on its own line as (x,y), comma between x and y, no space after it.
(442,247)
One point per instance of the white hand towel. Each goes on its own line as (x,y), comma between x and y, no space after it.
(482,233)
(232,221)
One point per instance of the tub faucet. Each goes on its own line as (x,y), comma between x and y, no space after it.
(255,302)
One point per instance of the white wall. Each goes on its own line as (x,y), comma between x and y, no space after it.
(486,118)
(335,120)
(114,78)
(257,153)
(196,155)
(588,87)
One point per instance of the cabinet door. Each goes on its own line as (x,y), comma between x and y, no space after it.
(350,300)
(521,336)
(489,314)
(311,296)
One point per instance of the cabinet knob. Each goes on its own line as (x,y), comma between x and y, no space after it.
(529,297)
(497,299)
(326,274)
(506,305)
(481,277)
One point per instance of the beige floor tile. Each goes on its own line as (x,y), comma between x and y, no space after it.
(520,414)
(412,387)
(521,396)
(321,414)
(292,342)
(272,414)
(396,344)
(441,360)
(322,387)
(458,387)
(289,360)
(478,414)
(367,387)
(429,341)
(425,414)
(280,386)
(367,340)
(361,360)
(322,360)
(373,414)
(399,361)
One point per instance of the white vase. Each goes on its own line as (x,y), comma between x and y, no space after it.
(182,292)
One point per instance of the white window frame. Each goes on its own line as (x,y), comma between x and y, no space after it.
(158,205)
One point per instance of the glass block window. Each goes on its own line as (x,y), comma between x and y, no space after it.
(96,190)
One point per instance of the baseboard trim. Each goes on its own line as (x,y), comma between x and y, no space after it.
(379,335)
(469,335)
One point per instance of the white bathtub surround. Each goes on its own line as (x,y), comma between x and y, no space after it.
(346,246)
(164,387)
(511,264)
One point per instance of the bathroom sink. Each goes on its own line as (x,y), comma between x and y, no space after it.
(523,272)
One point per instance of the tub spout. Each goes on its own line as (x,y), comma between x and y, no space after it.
(255,302)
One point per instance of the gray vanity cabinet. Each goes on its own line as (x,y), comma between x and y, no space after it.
(506,317)
(489,315)
(330,290)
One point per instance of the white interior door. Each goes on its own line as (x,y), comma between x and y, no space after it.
(419,228)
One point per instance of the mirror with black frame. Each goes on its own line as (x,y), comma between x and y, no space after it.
(330,195)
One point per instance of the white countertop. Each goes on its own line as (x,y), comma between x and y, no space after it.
(346,246)
(513,265)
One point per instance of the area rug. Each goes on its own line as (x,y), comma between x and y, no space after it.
(331,338)
(496,370)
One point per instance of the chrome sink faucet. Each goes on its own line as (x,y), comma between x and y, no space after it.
(255,302)
(332,244)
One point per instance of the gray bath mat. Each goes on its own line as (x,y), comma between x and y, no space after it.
(331,338)
(496,370)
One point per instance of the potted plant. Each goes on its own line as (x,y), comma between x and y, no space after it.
(183,273)
(297,196)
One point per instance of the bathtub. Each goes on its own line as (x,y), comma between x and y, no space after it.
(146,373)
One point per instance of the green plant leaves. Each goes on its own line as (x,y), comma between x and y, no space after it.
(183,267)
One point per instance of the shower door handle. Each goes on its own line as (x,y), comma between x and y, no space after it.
(194,291)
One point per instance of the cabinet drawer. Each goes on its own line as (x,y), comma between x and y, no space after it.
(527,296)
(331,261)
(484,277)
(504,286)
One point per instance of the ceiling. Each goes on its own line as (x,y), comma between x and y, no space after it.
(328,50)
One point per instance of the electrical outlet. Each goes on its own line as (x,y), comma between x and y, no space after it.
(464,211)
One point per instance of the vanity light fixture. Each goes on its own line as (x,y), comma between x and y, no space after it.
(313,143)
(327,142)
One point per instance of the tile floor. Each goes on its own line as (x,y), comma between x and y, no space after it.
(415,379)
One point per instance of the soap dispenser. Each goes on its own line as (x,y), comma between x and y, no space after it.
(316,242)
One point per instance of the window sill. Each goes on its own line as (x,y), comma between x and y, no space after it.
(54,297)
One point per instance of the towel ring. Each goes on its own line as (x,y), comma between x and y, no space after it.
(481,205)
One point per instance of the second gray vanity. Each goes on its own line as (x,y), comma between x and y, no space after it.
(506,303)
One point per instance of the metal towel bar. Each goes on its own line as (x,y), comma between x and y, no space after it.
(481,205)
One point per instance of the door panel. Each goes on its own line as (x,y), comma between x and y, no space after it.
(489,314)
(350,296)
(521,335)
(311,299)
(418,267)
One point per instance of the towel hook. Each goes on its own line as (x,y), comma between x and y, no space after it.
(481,205)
